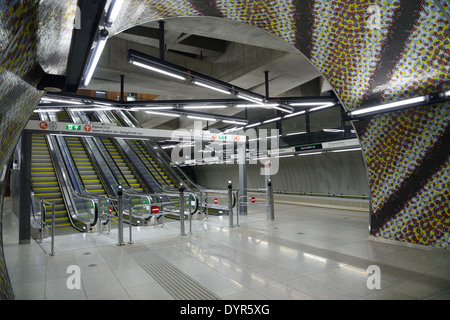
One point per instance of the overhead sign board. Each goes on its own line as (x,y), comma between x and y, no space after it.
(125,132)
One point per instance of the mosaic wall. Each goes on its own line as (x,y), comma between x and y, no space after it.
(370,51)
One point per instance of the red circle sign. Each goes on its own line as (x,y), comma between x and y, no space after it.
(87,128)
(216,201)
(155,209)
(253,200)
(43,125)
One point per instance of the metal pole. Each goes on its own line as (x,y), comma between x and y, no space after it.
(130,221)
(230,204)
(161,40)
(181,189)
(122,87)
(52,253)
(269,197)
(190,215)
(120,214)
(41,202)
(237,208)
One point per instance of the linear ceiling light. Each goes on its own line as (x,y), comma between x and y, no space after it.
(235,122)
(278,107)
(253,125)
(202,118)
(210,87)
(306,104)
(163,114)
(295,133)
(95,56)
(389,105)
(146,66)
(272,120)
(205,107)
(294,114)
(249,98)
(333,130)
(150,108)
(345,150)
(60,101)
(326,105)
(113,12)
(309,153)
(47,110)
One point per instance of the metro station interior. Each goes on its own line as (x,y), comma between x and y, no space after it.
(223,150)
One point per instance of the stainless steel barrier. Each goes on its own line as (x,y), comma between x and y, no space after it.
(250,200)
(43,223)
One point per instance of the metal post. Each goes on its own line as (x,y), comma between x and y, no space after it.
(230,203)
(190,215)
(122,88)
(269,198)
(237,208)
(181,189)
(130,221)
(52,253)
(120,214)
(41,202)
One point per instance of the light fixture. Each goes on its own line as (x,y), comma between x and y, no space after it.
(309,153)
(295,133)
(146,66)
(163,114)
(272,120)
(285,156)
(234,122)
(46,110)
(210,87)
(60,101)
(333,130)
(205,107)
(345,150)
(95,56)
(327,105)
(249,98)
(389,105)
(294,114)
(253,125)
(281,108)
(202,118)
(308,104)
(150,108)
(113,12)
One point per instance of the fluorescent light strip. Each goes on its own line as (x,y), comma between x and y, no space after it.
(389,105)
(283,109)
(309,153)
(333,130)
(96,53)
(234,122)
(210,87)
(294,114)
(328,105)
(253,125)
(285,156)
(295,133)
(150,108)
(308,104)
(46,110)
(202,118)
(60,101)
(113,11)
(345,150)
(205,107)
(272,120)
(447,93)
(248,98)
(163,114)
(143,65)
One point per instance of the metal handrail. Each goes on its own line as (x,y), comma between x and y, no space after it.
(42,203)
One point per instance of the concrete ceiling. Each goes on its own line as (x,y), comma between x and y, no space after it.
(229,51)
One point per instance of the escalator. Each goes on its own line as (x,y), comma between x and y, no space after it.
(44,182)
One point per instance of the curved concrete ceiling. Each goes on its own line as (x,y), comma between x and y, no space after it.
(233,52)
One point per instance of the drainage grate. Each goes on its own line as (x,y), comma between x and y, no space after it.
(178,284)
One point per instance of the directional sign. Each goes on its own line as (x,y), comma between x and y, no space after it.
(216,200)
(73,127)
(253,199)
(155,209)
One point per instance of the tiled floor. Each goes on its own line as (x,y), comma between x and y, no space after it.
(306,253)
